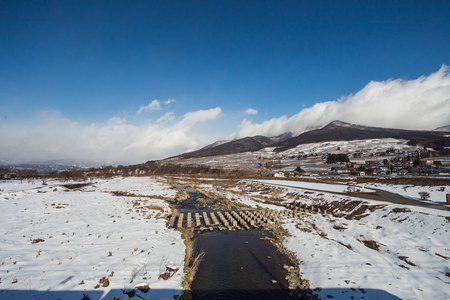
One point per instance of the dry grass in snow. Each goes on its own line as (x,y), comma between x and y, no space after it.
(65,243)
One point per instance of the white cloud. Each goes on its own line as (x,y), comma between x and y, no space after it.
(169,101)
(191,118)
(115,141)
(422,103)
(251,111)
(117,120)
(154,105)
(168,116)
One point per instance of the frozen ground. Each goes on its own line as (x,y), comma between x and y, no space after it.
(394,252)
(363,249)
(338,188)
(57,242)
(54,238)
(437,193)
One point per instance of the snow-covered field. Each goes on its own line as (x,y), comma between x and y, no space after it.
(60,243)
(57,242)
(338,188)
(437,193)
(392,252)
(340,255)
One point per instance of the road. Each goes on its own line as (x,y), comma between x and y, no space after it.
(379,195)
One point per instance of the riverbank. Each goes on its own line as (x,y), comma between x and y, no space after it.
(355,247)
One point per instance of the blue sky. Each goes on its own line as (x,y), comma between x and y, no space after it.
(94,63)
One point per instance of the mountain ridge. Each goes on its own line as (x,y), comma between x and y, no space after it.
(443,128)
(342,131)
(246,144)
(333,131)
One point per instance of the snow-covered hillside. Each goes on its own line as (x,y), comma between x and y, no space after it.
(290,158)
(395,252)
(367,146)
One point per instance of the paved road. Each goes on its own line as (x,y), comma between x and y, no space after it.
(379,195)
(382,195)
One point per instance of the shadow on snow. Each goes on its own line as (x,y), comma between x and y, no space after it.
(328,293)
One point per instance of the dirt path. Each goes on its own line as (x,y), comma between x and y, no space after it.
(380,195)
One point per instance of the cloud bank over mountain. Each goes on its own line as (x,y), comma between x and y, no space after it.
(422,103)
(115,141)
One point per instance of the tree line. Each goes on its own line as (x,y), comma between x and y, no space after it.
(147,169)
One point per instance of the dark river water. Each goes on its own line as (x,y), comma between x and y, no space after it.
(239,265)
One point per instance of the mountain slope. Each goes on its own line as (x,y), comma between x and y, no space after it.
(246,144)
(254,143)
(443,128)
(215,144)
(341,131)
(335,131)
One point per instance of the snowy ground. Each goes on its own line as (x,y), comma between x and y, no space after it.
(57,242)
(338,188)
(392,252)
(371,145)
(411,262)
(437,193)
(53,239)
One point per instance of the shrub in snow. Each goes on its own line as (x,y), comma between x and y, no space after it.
(424,195)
